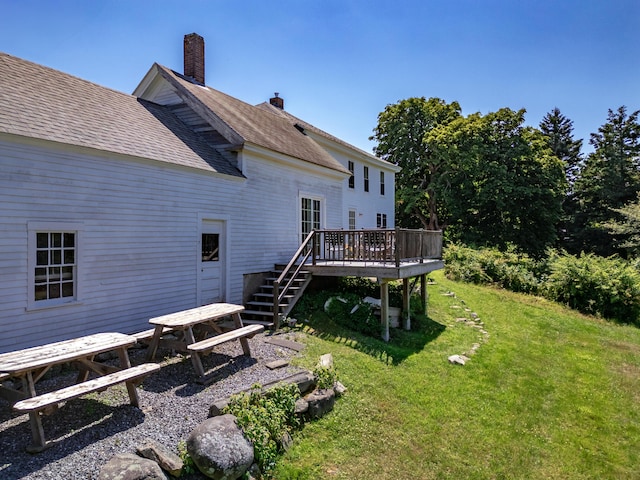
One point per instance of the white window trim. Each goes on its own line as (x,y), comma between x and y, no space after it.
(68,227)
(311,196)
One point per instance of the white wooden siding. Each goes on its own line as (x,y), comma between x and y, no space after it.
(140,234)
(367,204)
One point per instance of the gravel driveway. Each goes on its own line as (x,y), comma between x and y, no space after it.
(90,430)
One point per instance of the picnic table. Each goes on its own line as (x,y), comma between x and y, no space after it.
(207,319)
(26,367)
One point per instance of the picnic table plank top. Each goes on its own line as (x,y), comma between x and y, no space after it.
(197,315)
(21,361)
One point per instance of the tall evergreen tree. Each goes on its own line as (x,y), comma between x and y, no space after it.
(609,179)
(558,130)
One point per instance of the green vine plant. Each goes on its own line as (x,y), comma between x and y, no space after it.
(266,418)
(326,377)
(188,466)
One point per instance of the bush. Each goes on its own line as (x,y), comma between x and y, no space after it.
(348,310)
(609,287)
(266,418)
(510,270)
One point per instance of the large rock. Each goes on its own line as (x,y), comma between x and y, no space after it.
(320,402)
(164,457)
(131,467)
(219,448)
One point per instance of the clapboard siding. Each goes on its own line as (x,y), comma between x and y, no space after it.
(367,204)
(139,238)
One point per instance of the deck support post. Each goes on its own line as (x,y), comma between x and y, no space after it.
(384,307)
(406,304)
(423,292)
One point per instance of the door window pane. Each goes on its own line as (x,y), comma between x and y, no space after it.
(210,247)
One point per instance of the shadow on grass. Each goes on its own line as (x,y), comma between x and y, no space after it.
(401,345)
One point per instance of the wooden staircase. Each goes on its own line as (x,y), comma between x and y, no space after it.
(259,310)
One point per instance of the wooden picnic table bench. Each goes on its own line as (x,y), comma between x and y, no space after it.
(207,316)
(26,367)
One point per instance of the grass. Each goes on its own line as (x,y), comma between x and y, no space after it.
(549,394)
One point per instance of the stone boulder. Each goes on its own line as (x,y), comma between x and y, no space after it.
(131,467)
(320,402)
(168,461)
(219,449)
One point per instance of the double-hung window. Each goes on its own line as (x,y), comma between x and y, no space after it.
(53,264)
(366,179)
(352,180)
(381,183)
(381,220)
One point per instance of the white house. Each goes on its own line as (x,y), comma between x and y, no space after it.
(116,208)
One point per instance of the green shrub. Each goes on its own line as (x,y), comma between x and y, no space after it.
(265,418)
(326,377)
(365,287)
(348,309)
(609,287)
(510,270)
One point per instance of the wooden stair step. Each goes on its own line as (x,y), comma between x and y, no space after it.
(264,323)
(265,304)
(257,313)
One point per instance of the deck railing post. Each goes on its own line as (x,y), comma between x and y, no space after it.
(397,243)
(276,304)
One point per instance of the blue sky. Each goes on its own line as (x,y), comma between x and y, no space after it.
(338,63)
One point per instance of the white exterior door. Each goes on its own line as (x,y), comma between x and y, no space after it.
(310,216)
(212,262)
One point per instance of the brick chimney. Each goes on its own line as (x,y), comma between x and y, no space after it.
(194,57)
(277,102)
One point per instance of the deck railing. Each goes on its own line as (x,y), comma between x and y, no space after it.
(376,246)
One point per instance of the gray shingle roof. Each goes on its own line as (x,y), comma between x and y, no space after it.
(307,126)
(39,102)
(256,125)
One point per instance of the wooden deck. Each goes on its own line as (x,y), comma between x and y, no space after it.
(382,253)
(386,254)
(346,268)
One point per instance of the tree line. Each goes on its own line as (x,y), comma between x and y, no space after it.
(491,181)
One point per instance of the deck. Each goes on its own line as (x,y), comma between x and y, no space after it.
(381,253)
(342,268)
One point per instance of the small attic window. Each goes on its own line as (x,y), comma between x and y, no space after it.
(300,128)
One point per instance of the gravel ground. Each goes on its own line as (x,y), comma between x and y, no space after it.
(90,430)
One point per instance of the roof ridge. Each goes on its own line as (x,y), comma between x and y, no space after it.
(69,75)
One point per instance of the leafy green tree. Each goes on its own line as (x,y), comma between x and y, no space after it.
(503,185)
(626,230)
(400,136)
(609,179)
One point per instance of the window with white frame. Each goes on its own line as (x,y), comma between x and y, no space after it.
(381,220)
(309,215)
(53,264)
(366,179)
(352,219)
(381,183)
(352,180)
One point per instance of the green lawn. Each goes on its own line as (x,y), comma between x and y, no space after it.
(549,394)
